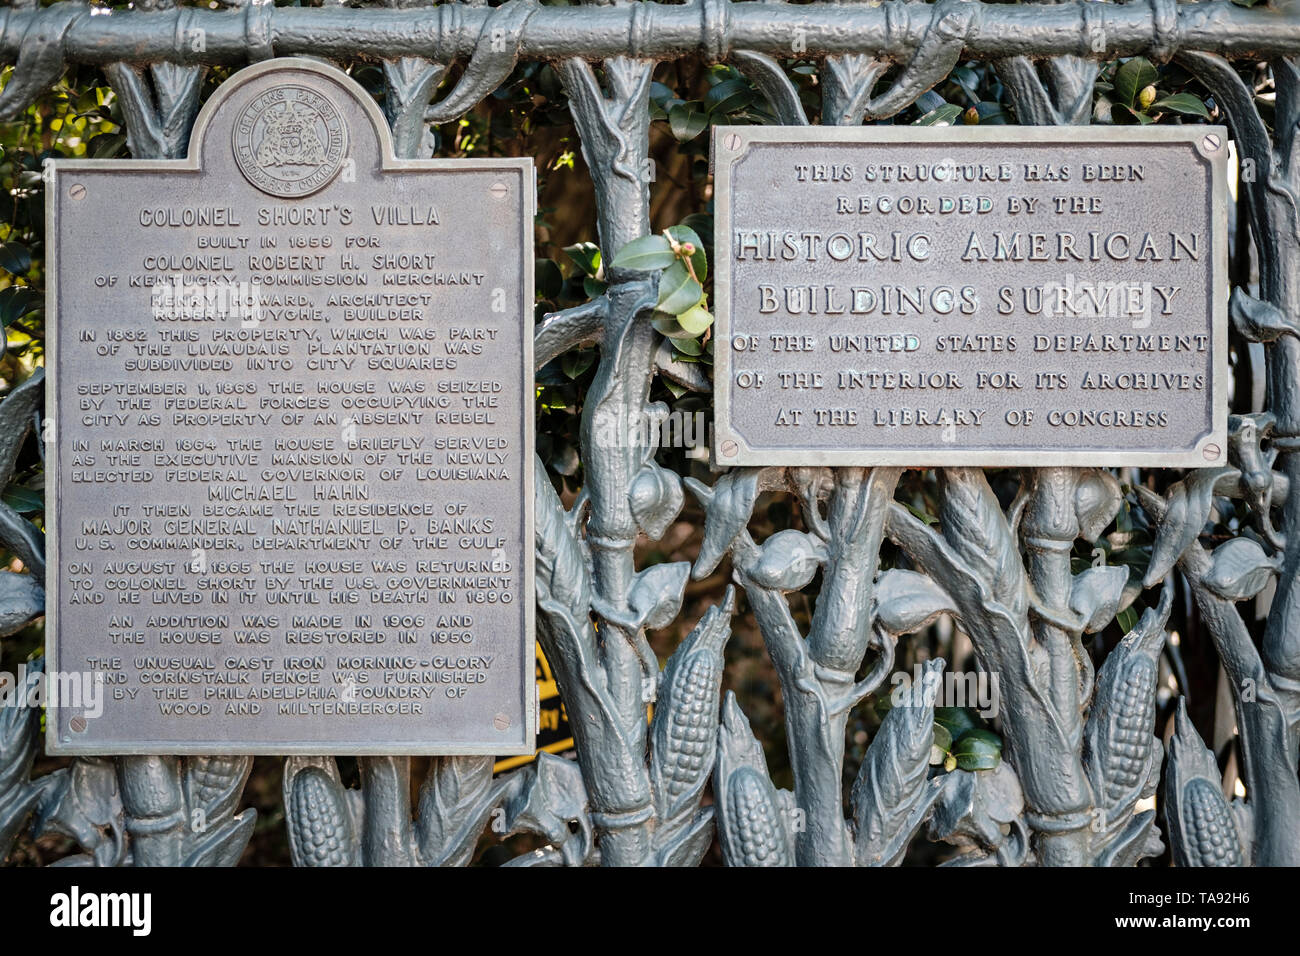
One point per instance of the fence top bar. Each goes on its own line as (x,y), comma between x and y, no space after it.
(660,31)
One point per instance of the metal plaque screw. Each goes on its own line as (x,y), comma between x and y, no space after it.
(1211,142)
(729,448)
(78,724)
(501,722)
(732,141)
(499,190)
(1211,452)
(77,191)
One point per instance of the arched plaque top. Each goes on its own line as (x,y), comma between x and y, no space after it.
(291,127)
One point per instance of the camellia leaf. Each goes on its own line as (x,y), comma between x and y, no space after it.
(1133,76)
(695,320)
(957,720)
(978,750)
(105,145)
(666,325)
(1127,116)
(930,100)
(645,254)
(728,97)
(699,261)
(16,301)
(575,363)
(23,500)
(942,745)
(687,121)
(688,347)
(548,278)
(944,115)
(992,114)
(661,94)
(1184,103)
(586,256)
(15,258)
(678,292)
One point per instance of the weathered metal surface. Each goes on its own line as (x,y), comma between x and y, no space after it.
(711,28)
(980,296)
(1081,755)
(291,488)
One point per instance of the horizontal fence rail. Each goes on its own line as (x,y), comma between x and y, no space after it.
(709,28)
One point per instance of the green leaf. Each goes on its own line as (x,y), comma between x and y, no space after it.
(942,744)
(1184,103)
(957,720)
(23,500)
(1124,116)
(696,320)
(593,288)
(645,254)
(106,145)
(586,256)
(944,115)
(729,96)
(15,258)
(992,114)
(699,261)
(690,347)
(666,325)
(701,223)
(16,301)
(968,80)
(978,750)
(687,121)
(548,278)
(575,363)
(660,94)
(678,292)
(1133,76)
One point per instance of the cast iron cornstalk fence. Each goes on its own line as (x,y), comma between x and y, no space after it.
(1083,762)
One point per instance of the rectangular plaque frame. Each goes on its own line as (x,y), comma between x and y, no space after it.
(522,736)
(730,144)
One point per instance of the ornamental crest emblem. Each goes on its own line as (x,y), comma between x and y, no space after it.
(290,141)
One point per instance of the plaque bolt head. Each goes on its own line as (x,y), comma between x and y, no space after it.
(1211,452)
(499,190)
(77,191)
(729,448)
(732,141)
(1211,142)
(77,724)
(501,722)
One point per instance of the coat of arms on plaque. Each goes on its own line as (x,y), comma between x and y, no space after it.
(290,141)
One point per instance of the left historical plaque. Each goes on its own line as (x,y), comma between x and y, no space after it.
(290,479)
